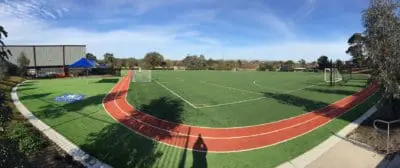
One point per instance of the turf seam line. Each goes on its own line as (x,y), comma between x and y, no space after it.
(176,94)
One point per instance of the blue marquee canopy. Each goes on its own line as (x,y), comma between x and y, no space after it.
(83,63)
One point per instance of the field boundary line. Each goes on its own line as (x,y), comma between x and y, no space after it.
(231,103)
(232,88)
(267,87)
(255,99)
(177,95)
(309,86)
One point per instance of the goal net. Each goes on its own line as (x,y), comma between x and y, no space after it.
(141,75)
(332,75)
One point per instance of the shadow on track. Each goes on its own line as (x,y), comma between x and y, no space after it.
(332,91)
(199,153)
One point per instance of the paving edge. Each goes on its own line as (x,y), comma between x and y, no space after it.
(69,147)
(314,153)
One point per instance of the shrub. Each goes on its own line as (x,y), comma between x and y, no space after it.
(28,141)
(5,110)
(30,144)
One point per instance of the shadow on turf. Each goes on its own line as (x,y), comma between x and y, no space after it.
(332,91)
(306,104)
(121,147)
(114,80)
(34,96)
(26,88)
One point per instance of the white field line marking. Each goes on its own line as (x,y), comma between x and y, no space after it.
(176,94)
(255,99)
(267,87)
(310,86)
(231,88)
(235,102)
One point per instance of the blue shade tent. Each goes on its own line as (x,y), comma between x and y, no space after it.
(83,63)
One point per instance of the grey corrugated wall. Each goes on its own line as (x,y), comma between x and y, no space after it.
(48,55)
(17,51)
(73,53)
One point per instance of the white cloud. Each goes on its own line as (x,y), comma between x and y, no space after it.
(31,9)
(305,9)
(173,41)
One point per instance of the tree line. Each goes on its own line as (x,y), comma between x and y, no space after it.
(155,60)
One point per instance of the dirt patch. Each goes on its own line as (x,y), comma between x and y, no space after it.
(377,139)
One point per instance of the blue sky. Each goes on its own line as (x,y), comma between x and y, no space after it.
(229,29)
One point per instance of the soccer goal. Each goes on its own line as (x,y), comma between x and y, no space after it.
(179,68)
(141,75)
(332,75)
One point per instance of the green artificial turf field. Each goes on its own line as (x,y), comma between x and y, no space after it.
(231,99)
(89,126)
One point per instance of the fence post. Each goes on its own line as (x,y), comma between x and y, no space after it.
(388,138)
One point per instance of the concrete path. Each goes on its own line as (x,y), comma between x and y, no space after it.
(346,154)
(339,152)
(73,150)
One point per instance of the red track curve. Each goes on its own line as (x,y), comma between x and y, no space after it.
(223,139)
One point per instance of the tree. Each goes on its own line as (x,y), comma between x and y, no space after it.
(357,49)
(90,56)
(382,32)
(302,63)
(195,62)
(239,64)
(289,64)
(4,53)
(109,59)
(339,64)
(23,62)
(153,59)
(5,109)
(323,62)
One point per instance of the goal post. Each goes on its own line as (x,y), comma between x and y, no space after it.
(141,76)
(332,75)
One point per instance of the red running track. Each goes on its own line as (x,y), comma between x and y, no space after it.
(222,140)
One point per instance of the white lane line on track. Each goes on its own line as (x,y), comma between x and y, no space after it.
(177,95)
(232,137)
